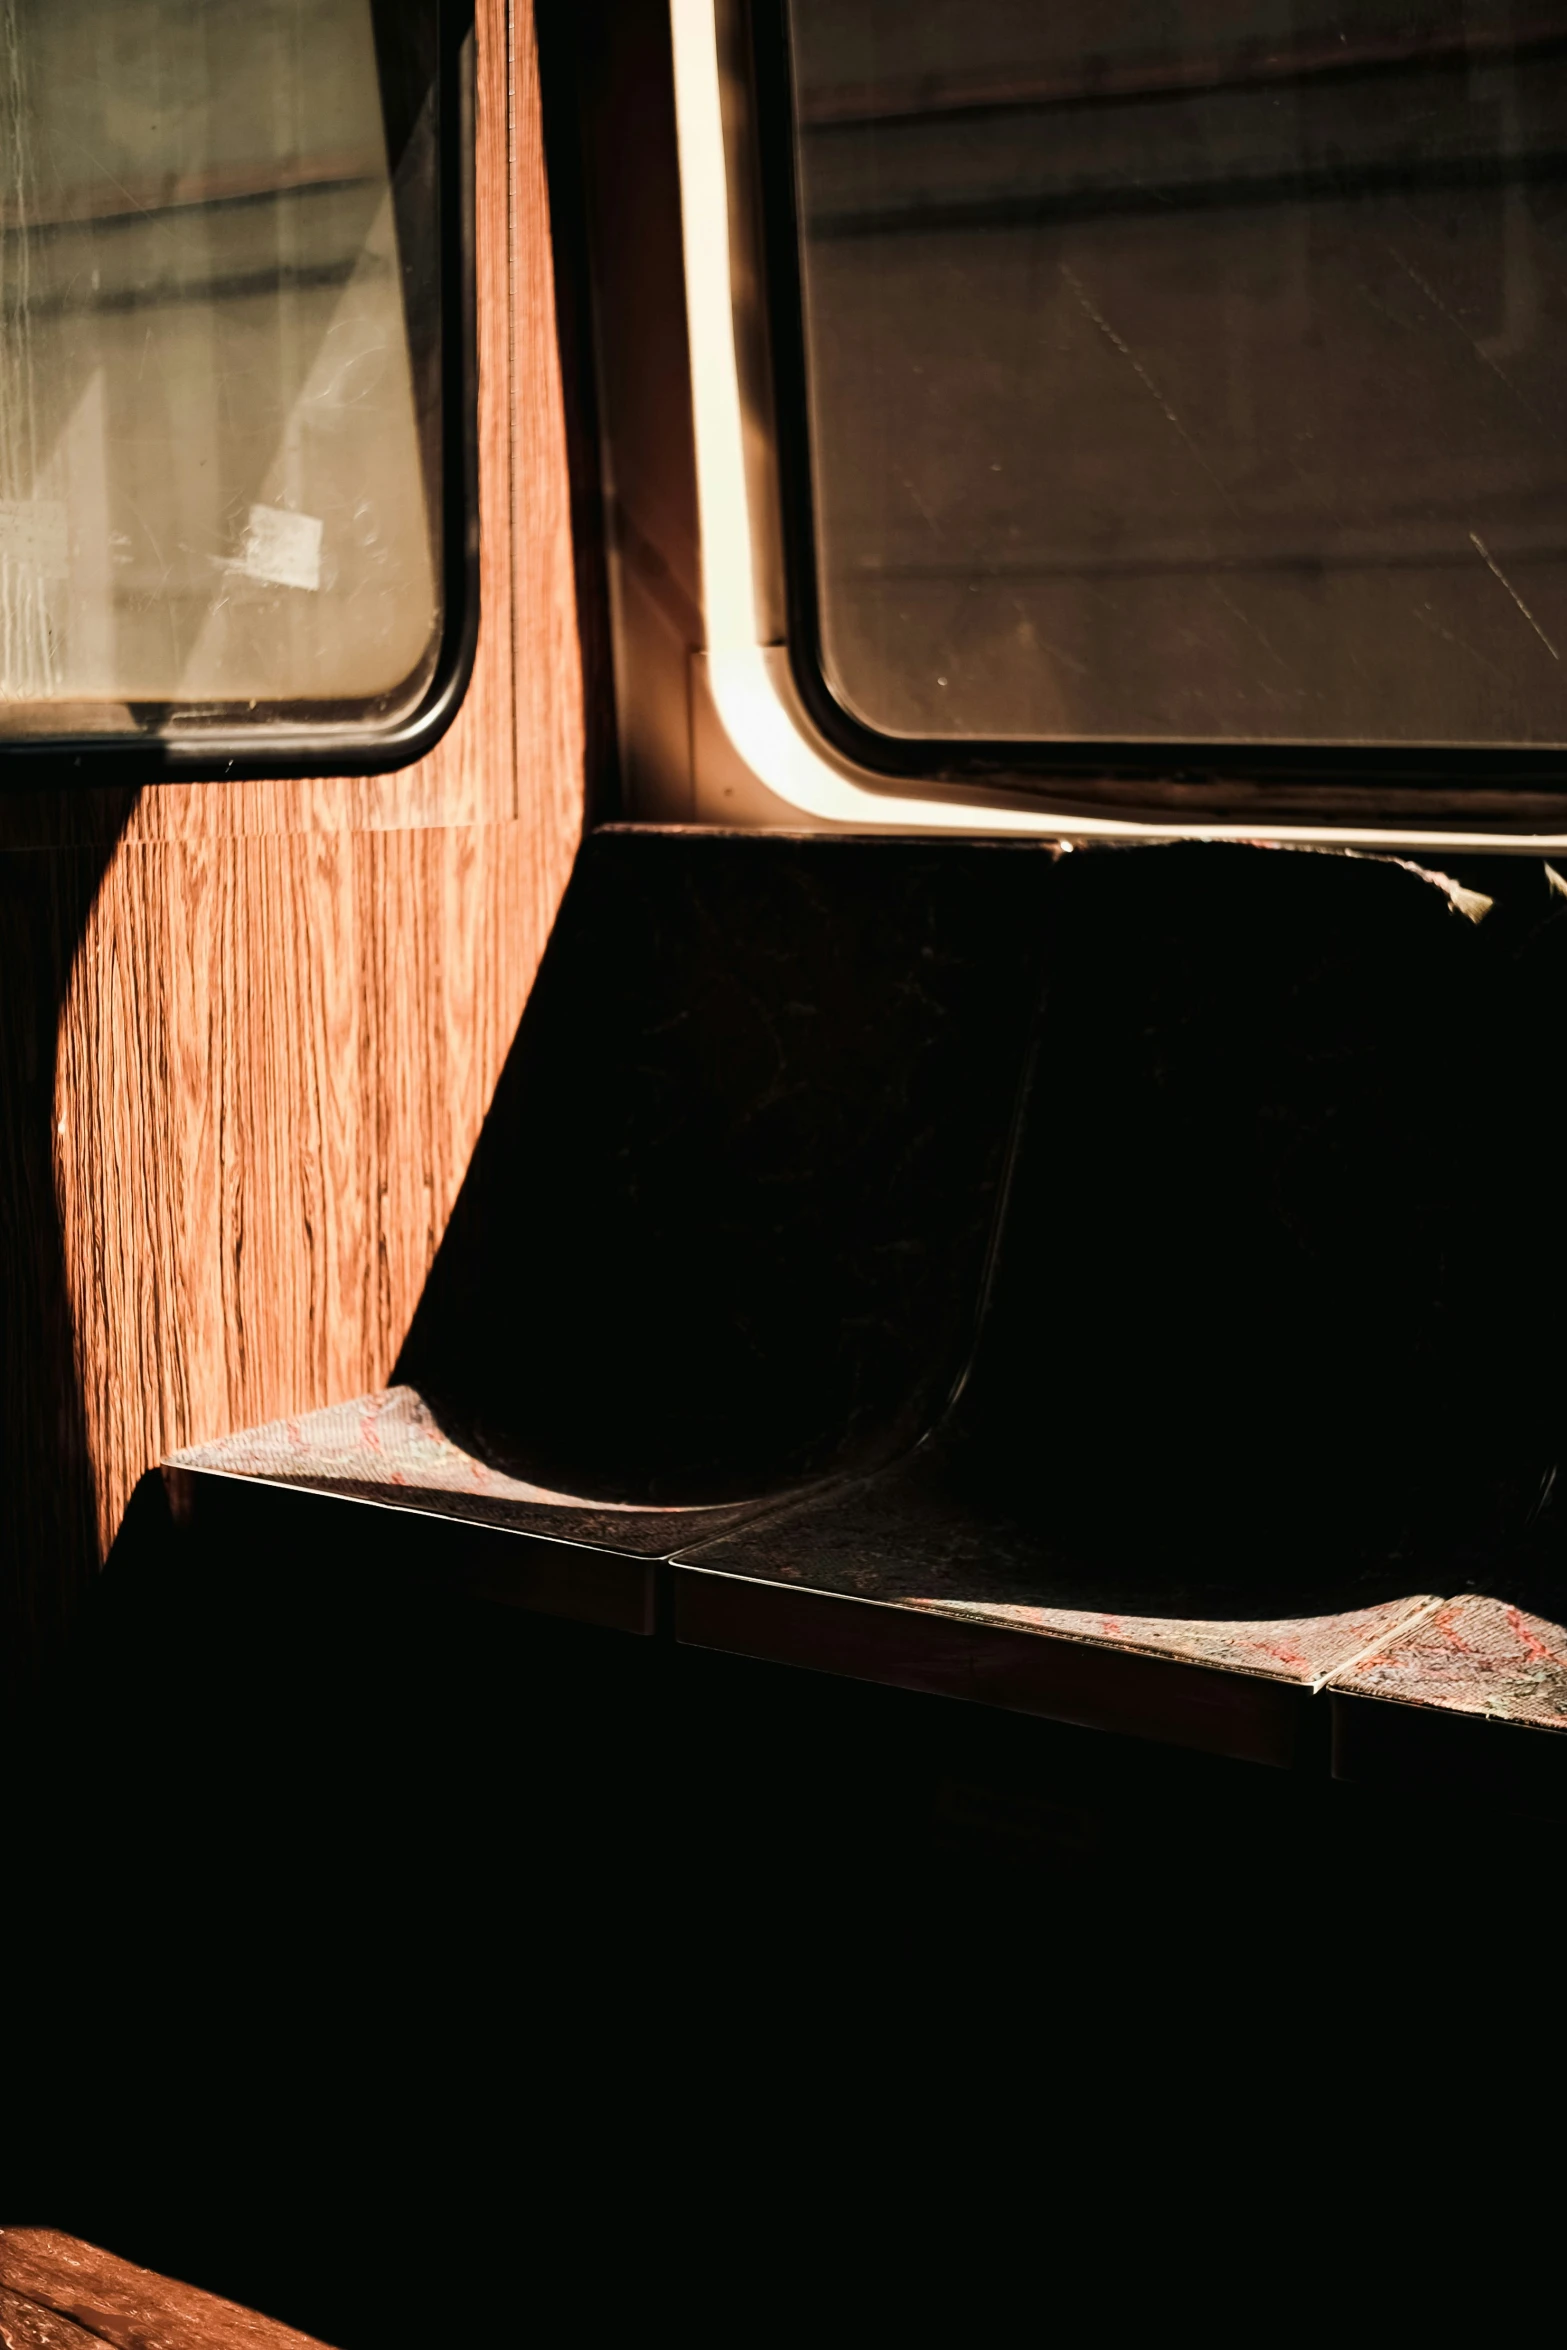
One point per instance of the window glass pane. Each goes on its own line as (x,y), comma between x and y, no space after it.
(1189,370)
(219,417)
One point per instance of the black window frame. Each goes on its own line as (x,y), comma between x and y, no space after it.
(317,746)
(1385,789)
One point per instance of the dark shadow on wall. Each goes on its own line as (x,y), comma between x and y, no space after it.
(723,1229)
(1266,1317)
(1261,1150)
(48,1514)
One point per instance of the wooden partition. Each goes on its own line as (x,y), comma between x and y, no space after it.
(248,1032)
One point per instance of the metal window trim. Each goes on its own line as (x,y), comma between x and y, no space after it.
(766,694)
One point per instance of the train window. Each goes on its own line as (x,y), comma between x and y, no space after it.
(233,434)
(1163,394)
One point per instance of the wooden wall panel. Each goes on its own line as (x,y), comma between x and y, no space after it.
(248,1033)
(275,1059)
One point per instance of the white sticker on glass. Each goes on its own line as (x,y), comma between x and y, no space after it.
(281,547)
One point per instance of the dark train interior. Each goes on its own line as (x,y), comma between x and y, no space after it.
(783,1003)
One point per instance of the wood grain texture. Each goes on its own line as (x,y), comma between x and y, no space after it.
(101,2298)
(549,687)
(275,1060)
(26,2325)
(248,1032)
